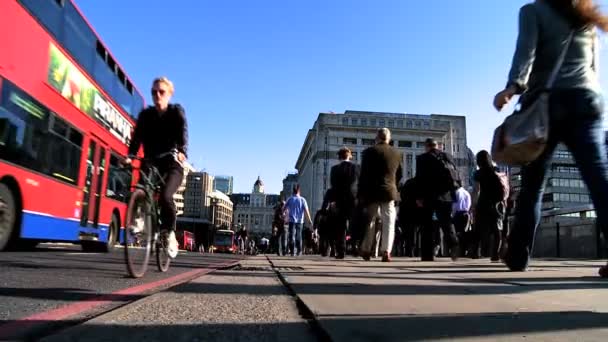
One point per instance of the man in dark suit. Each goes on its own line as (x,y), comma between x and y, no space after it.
(342,179)
(437,179)
(380,173)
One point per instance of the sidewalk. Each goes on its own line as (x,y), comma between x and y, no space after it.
(353,300)
(233,305)
(408,300)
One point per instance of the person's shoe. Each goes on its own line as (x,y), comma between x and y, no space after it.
(455,252)
(603,271)
(340,256)
(386,257)
(517,260)
(172,245)
(365,256)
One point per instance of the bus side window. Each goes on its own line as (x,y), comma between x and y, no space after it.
(119,181)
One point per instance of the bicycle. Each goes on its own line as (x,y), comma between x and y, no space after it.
(142,224)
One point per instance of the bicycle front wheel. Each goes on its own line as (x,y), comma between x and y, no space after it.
(162,256)
(138,235)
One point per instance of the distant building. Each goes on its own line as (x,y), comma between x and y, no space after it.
(223,184)
(357,131)
(565,187)
(221,210)
(255,210)
(199,186)
(179,196)
(289,183)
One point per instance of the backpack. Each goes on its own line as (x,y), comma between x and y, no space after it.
(499,187)
(449,177)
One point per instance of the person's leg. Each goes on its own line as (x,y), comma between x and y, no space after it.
(497,232)
(340,235)
(173,179)
(586,140)
(369,233)
(527,212)
(298,227)
(292,238)
(427,233)
(389,215)
(444,215)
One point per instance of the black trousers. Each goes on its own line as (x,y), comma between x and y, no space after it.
(173,175)
(461,221)
(443,211)
(409,222)
(333,238)
(488,230)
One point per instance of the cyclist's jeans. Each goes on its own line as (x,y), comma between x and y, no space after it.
(295,237)
(173,179)
(576,121)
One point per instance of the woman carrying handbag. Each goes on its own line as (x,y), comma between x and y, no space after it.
(558,35)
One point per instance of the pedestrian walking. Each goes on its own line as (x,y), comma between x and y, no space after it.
(380,173)
(340,200)
(489,203)
(296,209)
(546,28)
(437,175)
(278,225)
(461,216)
(409,216)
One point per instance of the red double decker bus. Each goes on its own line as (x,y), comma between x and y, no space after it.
(66,117)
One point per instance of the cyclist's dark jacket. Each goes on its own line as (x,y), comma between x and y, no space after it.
(159,133)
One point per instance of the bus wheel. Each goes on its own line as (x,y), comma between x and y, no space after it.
(113,231)
(8,215)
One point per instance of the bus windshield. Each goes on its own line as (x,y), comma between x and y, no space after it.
(223,240)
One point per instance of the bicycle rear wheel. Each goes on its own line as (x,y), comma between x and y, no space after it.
(162,256)
(138,235)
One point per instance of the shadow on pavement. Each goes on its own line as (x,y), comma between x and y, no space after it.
(355,328)
(63,294)
(417,328)
(460,287)
(230,331)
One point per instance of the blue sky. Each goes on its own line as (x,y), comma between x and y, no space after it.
(253,75)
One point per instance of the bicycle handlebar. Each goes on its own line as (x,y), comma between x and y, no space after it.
(173,152)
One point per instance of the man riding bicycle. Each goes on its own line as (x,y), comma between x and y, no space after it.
(160,129)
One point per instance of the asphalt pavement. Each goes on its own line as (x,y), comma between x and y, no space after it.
(248,303)
(55,276)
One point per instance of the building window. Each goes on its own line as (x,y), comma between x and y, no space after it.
(420,144)
(354,122)
(345,121)
(405,143)
(372,122)
(382,123)
(349,141)
(418,124)
(369,142)
(409,124)
(427,125)
(354,155)
(363,122)
(391,123)
(400,123)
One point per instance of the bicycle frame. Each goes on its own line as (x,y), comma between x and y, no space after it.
(150,183)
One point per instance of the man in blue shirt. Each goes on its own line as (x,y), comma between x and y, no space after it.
(295,208)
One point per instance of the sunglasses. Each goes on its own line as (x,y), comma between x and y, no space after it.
(158,91)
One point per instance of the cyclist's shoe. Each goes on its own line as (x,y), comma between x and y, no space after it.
(137,226)
(172,245)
